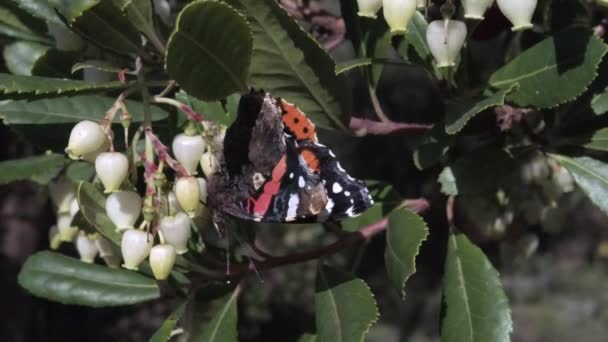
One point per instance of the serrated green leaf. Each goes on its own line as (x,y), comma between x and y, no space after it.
(405,234)
(163,334)
(69,109)
(20,56)
(477,309)
(12,85)
(95,64)
(345,307)
(554,71)
(308,338)
(223,324)
(92,205)
(209,52)
(69,281)
(477,172)
(40,169)
(72,9)
(370,216)
(352,64)
(223,112)
(291,64)
(459,113)
(590,175)
(42,9)
(599,103)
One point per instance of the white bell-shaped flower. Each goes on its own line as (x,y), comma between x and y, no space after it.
(112,169)
(187,192)
(519,12)
(176,231)
(62,194)
(86,137)
(106,252)
(202,186)
(446,41)
(162,260)
(398,14)
(475,9)
(86,248)
(188,150)
(54,238)
(209,164)
(135,247)
(369,8)
(123,208)
(173,204)
(67,232)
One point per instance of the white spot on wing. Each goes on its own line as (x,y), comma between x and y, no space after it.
(292,207)
(332,154)
(330,205)
(291,175)
(301,182)
(350,211)
(340,168)
(346,193)
(336,188)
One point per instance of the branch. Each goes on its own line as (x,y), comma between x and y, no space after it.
(365,126)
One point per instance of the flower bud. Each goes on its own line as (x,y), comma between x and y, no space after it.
(112,169)
(519,12)
(86,137)
(475,9)
(67,232)
(369,8)
(162,259)
(209,164)
(176,231)
(398,14)
(86,248)
(62,193)
(202,186)
(54,238)
(173,204)
(188,150)
(187,192)
(445,43)
(123,209)
(135,247)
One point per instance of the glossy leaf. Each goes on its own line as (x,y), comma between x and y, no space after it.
(223,324)
(477,308)
(40,169)
(69,109)
(352,64)
(599,103)
(15,85)
(591,175)
(416,36)
(345,308)
(554,71)
(139,12)
(459,113)
(80,171)
(55,63)
(92,205)
(406,233)
(42,9)
(20,56)
(209,53)
(12,26)
(163,334)
(290,64)
(69,281)
(94,64)
(223,112)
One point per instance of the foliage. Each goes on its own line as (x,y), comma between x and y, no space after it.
(517,123)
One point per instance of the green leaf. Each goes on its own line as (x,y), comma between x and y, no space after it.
(416,36)
(80,171)
(345,307)
(223,112)
(308,338)
(42,9)
(223,324)
(15,85)
(459,113)
(599,103)
(69,109)
(406,233)
(139,13)
(352,64)
(69,281)
(433,146)
(92,205)
(95,64)
(291,64)
(164,332)
(40,169)
(209,52)
(102,22)
(591,175)
(477,308)
(477,172)
(20,56)
(12,26)
(554,71)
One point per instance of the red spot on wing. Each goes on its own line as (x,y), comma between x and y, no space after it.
(297,122)
(271,188)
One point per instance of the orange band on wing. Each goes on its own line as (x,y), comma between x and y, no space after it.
(311,159)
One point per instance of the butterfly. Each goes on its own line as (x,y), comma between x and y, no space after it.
(274,169)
